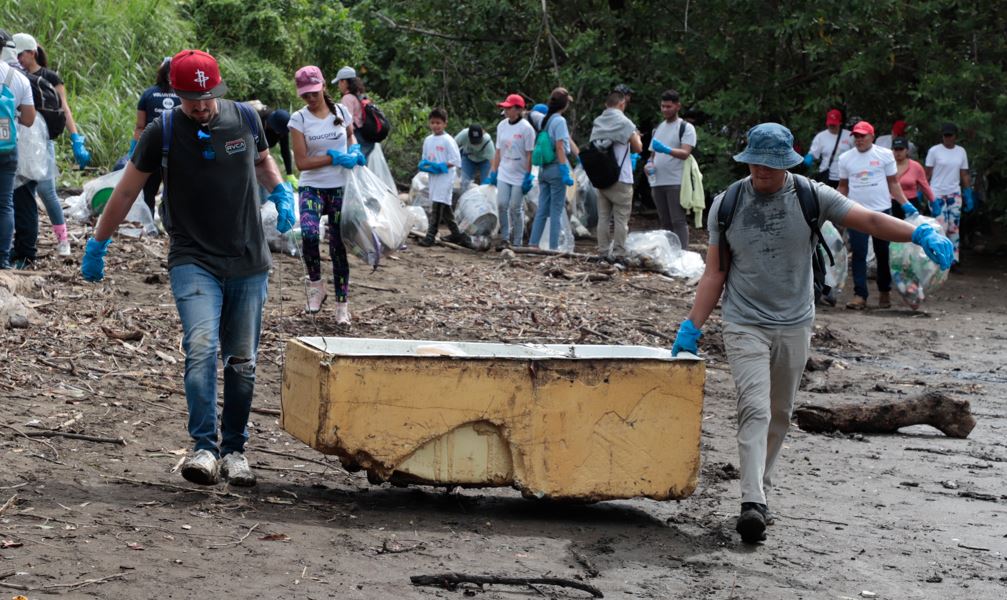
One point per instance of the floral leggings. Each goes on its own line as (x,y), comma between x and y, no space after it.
(948,212)
(316,202)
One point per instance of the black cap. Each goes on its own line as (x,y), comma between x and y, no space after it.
(622,88)
(475,133)
(900,143)
(6,39)
(949,128)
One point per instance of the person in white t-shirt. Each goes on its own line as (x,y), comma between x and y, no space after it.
(440,159)
(867,175)
(828,146)
(671,144)
(947,168)
(615,203)
(324,148)
(898,131)
(16,89)
(511,169)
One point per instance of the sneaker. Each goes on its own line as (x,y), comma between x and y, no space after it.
(342,313)
(752,522)
(884,300)
(23,264)
(234,468)
(462,239)
(857,303)
(502,245)
(201,467)
(63,248)
(426,242)
(316,295)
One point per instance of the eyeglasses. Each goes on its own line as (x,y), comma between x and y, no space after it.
(204,137)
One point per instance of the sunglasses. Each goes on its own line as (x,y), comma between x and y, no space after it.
(204,137)
(859,135)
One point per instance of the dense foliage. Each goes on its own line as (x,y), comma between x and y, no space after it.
(738,62)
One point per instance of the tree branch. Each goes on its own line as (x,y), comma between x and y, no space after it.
(446,36)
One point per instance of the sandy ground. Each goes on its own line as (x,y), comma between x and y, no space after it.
(909,516)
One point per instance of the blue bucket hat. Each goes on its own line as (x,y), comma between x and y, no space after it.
(770,145)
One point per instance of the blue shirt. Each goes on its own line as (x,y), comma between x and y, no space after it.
(558,130)
(154,102)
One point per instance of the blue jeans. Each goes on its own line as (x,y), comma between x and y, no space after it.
(510,207)
(858,241)
(551,204)
(47,191)
(224,314)
(8,166)
(469,169)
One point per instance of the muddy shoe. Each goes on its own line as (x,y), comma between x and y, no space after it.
(752,523)
(502,245)
(234,468)
(857,303)
(426,242)
(884,300)
(201,467)
(461,239)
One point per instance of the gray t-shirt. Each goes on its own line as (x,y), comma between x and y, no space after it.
(769,281)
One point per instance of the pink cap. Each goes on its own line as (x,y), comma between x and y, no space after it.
(512,100)
(833,117)
(863,128)
(309,79)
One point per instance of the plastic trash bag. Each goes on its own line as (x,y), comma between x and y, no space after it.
(373,219)
(289,242)
(835,275)
(586,207)
(566,239)
(661,251)
(377,163)
(913,274)
(420,222)
(97,191)
(477,211)
(138,221)
(419,190)
(33,160)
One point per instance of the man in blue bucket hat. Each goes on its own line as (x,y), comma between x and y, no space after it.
(768,306)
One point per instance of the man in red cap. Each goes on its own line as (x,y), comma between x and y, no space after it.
(898,131)
(867,176)
(212,154)
(827,147)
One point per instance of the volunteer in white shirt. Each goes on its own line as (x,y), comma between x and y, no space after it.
(947,168)
(867,175)
(16,92)
(828,146)
(511,169)
(671,144)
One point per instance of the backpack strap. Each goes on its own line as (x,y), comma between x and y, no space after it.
(725,214)
(251,119)
(808,197)
(167,118)
(681,131)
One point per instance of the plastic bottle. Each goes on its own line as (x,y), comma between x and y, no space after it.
(651,173)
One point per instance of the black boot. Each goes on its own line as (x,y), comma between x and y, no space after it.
(752,522)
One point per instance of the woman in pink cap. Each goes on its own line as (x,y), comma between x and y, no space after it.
(321,135)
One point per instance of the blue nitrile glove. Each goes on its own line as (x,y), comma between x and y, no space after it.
(283,197)
(633,158)
(132,146)
(938,248)
(440,168)
(529,181)
(564,170)
(491,179)
(337,157)
(936,207)
(358,154)
(970,201)
(687,338)
(292,180)
(809,159)
(909,209)
(80,153)
(92,266)
(426,166)
(660,146)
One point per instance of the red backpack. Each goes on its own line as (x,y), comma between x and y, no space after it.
(375,127)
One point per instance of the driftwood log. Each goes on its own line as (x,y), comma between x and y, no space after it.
(951,416)
(452,580)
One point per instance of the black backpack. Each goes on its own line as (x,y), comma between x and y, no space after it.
(600,164)
(375,127)
(808,198)
(48,104)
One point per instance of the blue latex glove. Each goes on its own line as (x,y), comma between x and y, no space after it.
(529,181)
(80,153)
(564,170)
(132,146)
(659,146)
(936,207)
(92,266)
(687,338)
(342,159)
(283,197)
(492,178)
(440,168)
(809,160)
(970,201)
(633,158)
(358,154)
(909,209)
(938,248)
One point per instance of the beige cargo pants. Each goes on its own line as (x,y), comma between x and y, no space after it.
(766,364)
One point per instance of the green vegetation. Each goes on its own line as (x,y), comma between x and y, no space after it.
(737,61)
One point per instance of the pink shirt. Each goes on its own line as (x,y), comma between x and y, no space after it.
(356,108)
(913,177)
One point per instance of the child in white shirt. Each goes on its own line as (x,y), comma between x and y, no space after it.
(440,158)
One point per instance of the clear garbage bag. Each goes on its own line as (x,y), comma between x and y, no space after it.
(289,242)
(373,219)
(835,275)
(33,160)
(566,237)
(377,163)
(420,223)
(661,251)
(477,211)
(419,190)
(914,276)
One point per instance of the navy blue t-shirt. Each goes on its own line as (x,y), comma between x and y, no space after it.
(154,102)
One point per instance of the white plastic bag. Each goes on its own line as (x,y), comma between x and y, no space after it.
(377,163)
(566,239)
(98,190)
(419,190)
(661,251)
(835,274)
(33,161)
(373,220)
(289,242)
(138,221)
(914,275)
(477,211)
(420,223)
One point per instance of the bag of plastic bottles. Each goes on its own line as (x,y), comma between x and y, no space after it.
(373,220)
(914,275)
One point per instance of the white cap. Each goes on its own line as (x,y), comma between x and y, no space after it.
(23,42)
(345,73)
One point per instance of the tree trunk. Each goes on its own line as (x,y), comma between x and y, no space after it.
(951,416)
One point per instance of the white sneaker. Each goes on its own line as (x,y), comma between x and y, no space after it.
(234,468)
(342,313)
(63,248)
(201,467)
(316,295)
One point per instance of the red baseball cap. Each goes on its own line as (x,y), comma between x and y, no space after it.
(833,117)
(511,101)
(195,75)
(899,128)
(863,128)
(309,79)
